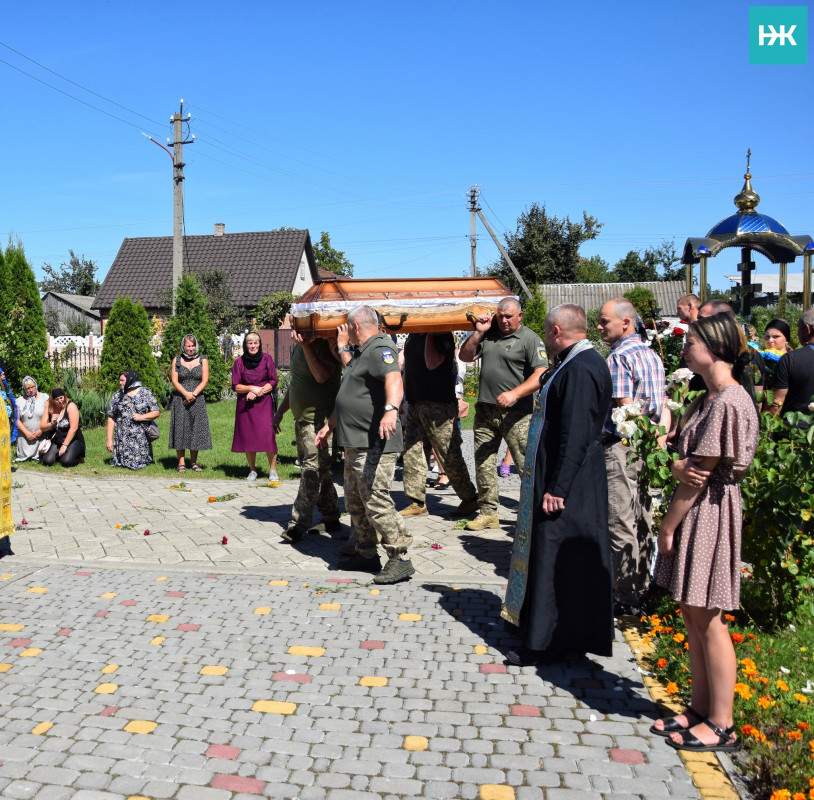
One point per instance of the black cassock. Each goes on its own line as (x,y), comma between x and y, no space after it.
(569,602)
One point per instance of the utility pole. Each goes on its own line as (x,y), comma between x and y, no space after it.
(473,241)
(178,198)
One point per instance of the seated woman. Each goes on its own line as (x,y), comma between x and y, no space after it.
(31,406)
(61,420)
(132,408)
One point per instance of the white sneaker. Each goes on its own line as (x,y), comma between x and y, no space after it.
(273,476)
(252,476)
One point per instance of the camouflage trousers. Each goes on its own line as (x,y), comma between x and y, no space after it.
(368,478)
(316,484)
(492,425)
(434,422)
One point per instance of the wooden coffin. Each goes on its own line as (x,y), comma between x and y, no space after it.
(411,305)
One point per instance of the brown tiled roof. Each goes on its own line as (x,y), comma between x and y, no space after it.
(259,264)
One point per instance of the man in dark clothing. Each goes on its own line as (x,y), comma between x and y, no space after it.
(560,591)
(794,377)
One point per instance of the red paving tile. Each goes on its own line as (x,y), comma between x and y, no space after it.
(102,613)
(108,711)
(223,751)
(525,711)
(84,574)
(372,644)
(212,575)
(188,626)
(20,642)
(65,632)
(627,756)
(176,594)
(235,783)
(339,580)
(297,677)
(129,602)
(487,669)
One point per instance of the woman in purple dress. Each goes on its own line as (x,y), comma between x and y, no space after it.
(699,540)
(254,377)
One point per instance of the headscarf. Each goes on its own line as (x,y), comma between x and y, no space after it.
(251,361)
(29,402)
(184,355)
(132,380)
(782,326)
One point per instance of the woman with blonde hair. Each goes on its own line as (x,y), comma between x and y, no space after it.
(699,541)
(254,377)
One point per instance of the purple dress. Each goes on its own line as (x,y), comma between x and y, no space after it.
(253,430)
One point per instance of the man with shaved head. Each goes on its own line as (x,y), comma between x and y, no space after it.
(687,308)
(512,361)
(560,594)
(637,374)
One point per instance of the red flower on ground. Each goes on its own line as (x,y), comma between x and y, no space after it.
(736,637)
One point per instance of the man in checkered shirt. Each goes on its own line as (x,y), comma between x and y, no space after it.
(637,374)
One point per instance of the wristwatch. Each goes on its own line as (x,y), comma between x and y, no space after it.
(346,348)
(390,407)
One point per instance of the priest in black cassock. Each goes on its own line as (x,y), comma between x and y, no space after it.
(559,595)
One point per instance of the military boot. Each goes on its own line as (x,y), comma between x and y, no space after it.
(483,521)
(415,510)
(395,570)
(465,509)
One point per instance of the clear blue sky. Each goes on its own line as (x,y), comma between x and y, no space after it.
(371,120)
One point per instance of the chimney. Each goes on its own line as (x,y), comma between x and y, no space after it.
(220,228)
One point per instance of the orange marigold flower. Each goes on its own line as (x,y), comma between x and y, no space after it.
(747,730)
(811,794)
(811,782)
(781,794)
(211,499)
(743,690)
(804,726)
(763,701)
(686,645)
(750,636)
(798,796)
(729,618)
(661,663)
(679,637)
(667,630)
(782,685)
(801,698)
(764,681)
(672,688)
(796,735)
(736,637)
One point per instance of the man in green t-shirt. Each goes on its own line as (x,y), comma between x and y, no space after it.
(315,378)
(512,361)
(367,424)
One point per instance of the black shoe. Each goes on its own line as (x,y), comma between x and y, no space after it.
(626,610)
(395,570)
(332,525)
(292,535)
(360,563)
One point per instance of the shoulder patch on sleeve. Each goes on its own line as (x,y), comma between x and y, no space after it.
(388,357)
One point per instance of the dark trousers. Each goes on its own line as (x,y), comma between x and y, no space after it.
(73,454)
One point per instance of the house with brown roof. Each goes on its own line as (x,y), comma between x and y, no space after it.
(258,264)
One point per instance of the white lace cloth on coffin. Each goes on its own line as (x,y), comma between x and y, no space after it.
(328,309)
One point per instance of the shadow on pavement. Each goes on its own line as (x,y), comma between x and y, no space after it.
(489,552)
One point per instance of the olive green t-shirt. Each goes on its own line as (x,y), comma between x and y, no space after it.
(507,361)
(306,397)
(361,398)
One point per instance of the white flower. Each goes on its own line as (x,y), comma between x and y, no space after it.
(635,408)
(680,376)
(627,428)
(619,414)
(673,405)
(811,406)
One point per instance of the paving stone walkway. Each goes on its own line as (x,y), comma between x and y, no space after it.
(174,666)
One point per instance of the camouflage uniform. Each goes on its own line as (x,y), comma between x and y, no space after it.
(368,477)
(436,422)
(493,423)
(316,484)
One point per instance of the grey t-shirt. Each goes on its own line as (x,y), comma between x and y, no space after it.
(507,361)
(361,398)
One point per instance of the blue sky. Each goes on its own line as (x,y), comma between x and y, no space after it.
(372,120)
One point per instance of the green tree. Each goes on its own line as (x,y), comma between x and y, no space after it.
(594,270)
(192,316)
(643,300)
(666,259)
(330,258)
(78,325)
(127,346)
(534,313)
(544,248)
(635,267)
(78,276)
(272,310)
(223,311)
(24,341)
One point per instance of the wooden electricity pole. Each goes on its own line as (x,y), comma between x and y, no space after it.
(178,198)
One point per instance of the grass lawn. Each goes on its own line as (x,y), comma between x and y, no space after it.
(218,463)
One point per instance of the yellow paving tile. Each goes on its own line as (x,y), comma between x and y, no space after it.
(6,576)
(278,583)
(304,650)
(481,649)
(109,595)
(158,618)
(43,727)
(37,590)
(262,610)
(375,591)
(5,667)
(213,669)
(162,578)
(492,791)
(305,586)
(30,652)
(329,607)
(416,743)
(140,726)
(10,627)
(137,797)
(410,617)
(157,640)
(373,680)
(274,707)
(106,688)
(109,669)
